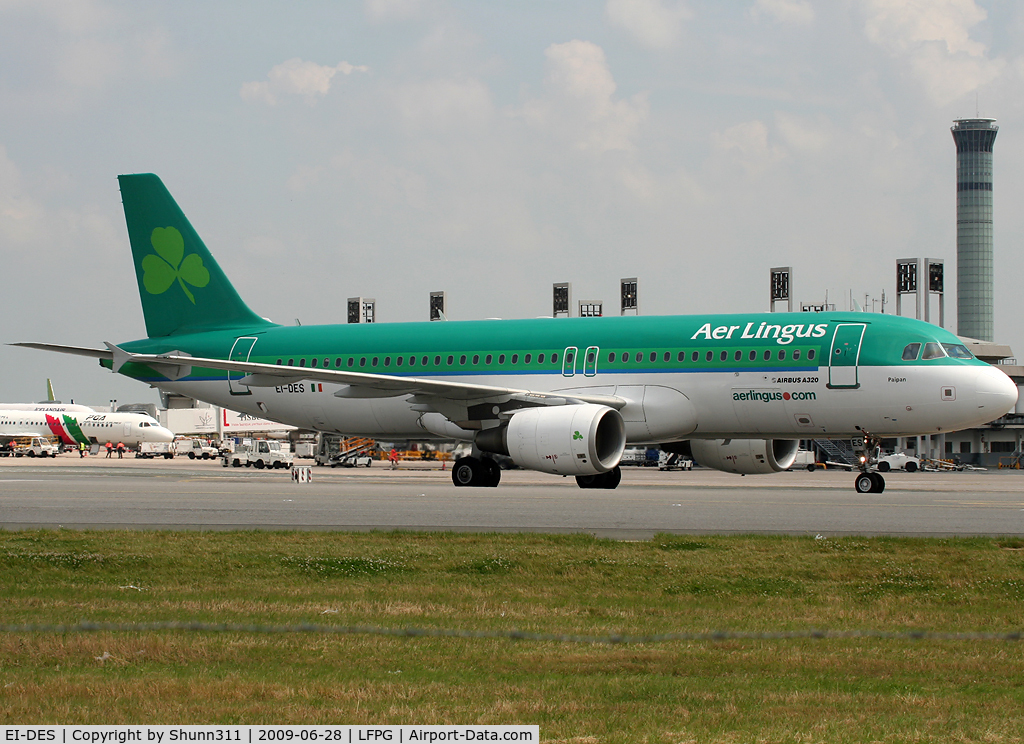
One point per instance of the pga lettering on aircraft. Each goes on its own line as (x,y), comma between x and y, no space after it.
(783,334)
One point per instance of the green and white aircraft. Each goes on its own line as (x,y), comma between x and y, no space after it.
(559,396)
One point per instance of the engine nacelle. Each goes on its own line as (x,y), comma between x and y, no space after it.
(745,456)
(584,439)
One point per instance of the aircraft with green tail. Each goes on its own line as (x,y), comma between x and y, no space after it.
(561,396)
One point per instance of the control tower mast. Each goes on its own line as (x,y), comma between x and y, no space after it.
(974,139)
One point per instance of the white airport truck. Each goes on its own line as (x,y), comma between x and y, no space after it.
(37,447)
(259,453)
(149,450)
(195,448)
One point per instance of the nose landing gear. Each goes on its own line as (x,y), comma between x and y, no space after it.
(868,480)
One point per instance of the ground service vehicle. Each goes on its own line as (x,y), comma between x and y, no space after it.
(898,461)
(149,450)
(260,453)
(194,448)
(38,447)
(563,396)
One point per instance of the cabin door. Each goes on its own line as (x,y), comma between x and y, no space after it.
(240,352)
(845,355)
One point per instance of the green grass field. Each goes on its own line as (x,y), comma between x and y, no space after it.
(806,690)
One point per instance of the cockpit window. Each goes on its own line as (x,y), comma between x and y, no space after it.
(910,352)
(933,350)
(958,351)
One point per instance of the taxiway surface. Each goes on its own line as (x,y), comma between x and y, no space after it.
(194,495)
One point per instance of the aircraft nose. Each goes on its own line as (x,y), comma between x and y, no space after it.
(166,435)
(997,393)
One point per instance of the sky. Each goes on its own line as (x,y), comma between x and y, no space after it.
(390,148)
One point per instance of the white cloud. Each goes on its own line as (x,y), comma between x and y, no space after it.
(21,217)
(747,144)
(934,36)
(580,104)
(445,104)
(804,135)
(652,23)
(393,10)
(296,77)
(799,12)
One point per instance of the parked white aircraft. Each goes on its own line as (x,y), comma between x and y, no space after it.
(88,428)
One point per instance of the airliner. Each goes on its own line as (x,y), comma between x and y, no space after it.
(85,428)
(50,404)
(559,396)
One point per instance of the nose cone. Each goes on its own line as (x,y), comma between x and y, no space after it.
(160,434)
(997,393)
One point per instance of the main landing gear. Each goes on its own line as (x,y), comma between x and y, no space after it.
(601,480)
(476,472)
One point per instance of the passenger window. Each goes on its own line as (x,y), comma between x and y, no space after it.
(312,362)
(590,358)
(810,353)
(910,352)
(695,356)
(291,362)
(709,356)
(782,354)
(752,355)
(723,356)
(462,359)
(476,359)
(337,362)
(528,358)
(540,359)
(373,363)
(654,356)
(515,359)
(767,354)
(362,361)
(351,361)
(796,354)
(932,350)
(501,358)
(437,361)
(451,359)
(398,361)
(681,356)
(611,356)
(738,355)
(387,361)
(278,362)
(302,362)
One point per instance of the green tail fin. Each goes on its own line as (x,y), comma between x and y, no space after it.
(182,288)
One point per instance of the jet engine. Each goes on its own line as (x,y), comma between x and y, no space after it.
(584,439)
(745,456)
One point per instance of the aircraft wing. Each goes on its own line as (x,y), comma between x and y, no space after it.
(176,365)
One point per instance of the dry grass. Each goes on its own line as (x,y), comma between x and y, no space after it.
(791,691)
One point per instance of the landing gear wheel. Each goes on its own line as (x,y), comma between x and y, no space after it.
(466,472)
(608,480)
(869,483)
(491,472)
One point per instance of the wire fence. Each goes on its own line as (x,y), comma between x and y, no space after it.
(513,635)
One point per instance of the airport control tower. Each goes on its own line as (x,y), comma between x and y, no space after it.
(974,139)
